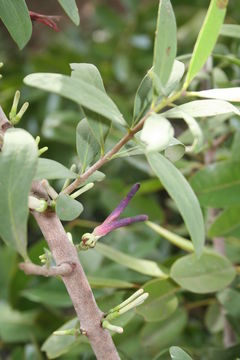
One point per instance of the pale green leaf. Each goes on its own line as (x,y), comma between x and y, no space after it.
(228,94)
(87,73)
(209,273)
(15,16)
(16,326)
(51,169)
(68,208)
(161,302)
(142,266)
(159,335)
(165,45)
(230,30)
(207,37)
(203,108)
(181,192)
(87,146)
(56,345)
(77,90)
(71,9)
(18,162)
(143,98)
(175,150)
(177,353)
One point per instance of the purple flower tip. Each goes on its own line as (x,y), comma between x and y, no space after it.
(112,222)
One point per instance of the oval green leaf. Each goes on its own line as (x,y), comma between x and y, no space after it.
(209,273)
(71,10)
(15,16)
(181,192)
(67,208)
(177,353)
(18,162)
(161,302)
(51,169)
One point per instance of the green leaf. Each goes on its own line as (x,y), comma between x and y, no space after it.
(143,98)
(71,9)
(165,44)
(230,300)
(214,318)
(50,293)
(230,30)
(156,336)
(209,273)
(156,133)
(16,326)
(175,150)
(60,126)
(50,169)
(142,266)
(181,192)
(88,73)
(207,37)
(175,76)
(194,129)
(18,161)
(68,208)
(217,185)
(161,302)
(178,354)
(15,16)
(87,146)
(57,345)
(202,108)
(227,223)
(77,90)
(228,94)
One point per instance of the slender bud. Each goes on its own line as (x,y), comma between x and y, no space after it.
(42,150)
(82,190)
(106,325)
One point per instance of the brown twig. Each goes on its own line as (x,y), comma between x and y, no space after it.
(74,185)
(33,269)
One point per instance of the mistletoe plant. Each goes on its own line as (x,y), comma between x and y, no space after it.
(168,92)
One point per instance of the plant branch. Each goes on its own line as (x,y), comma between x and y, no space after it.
(126,138)
(76,283)
(33,269)
(77,286)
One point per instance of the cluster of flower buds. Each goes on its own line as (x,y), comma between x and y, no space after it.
(15,116)
(112,222)
(132,302)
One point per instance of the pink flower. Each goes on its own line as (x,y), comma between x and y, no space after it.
(45,19)
(112,222)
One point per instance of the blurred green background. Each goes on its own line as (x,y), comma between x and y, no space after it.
(116,36)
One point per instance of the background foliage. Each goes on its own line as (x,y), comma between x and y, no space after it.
(118,38)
